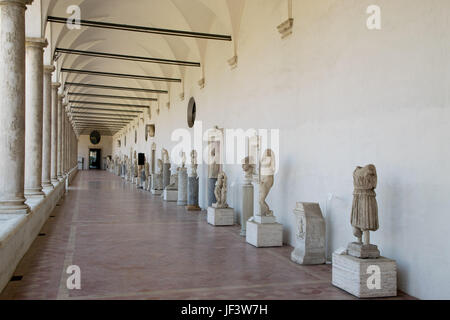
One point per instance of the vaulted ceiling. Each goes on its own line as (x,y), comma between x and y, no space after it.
(221,17)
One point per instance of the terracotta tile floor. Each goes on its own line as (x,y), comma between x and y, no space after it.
(131,245)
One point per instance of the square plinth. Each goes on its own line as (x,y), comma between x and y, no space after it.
(365,278)
(171,195)
(264,234)
(220,216)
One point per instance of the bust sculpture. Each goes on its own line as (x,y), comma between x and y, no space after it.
(248,167)
(221,191)
(267,168)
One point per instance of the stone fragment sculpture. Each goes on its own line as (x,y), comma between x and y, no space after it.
(221,191)
(173,181)
(364,217)
(183,159)
(159,164)
(194,164)
(214,166)
(267,171)
(248,167)
(165,156)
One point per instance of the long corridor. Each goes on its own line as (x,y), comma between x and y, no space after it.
(132,245)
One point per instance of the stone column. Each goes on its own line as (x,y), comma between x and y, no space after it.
(182,187)
(60,136)
(192,204)
(47,129)
(247,205)
(54,134)
(34,78)
(12,106)
(166,175)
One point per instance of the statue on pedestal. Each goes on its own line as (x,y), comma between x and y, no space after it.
(248,167)
(194,164)
(267,168)
(165,156)
(173,181)
(220,191)
(364,217)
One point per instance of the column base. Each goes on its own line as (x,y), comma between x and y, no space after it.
(24,209)
(34,194)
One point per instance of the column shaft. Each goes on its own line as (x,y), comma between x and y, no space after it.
(47,129)
(12,106)
(59,136)
(54,135)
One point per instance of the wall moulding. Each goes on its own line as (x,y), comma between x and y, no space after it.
(285,28)
(233,62)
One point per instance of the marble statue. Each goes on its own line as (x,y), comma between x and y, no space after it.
(247,194)
(350,267)
(364,216)
(165,156)
(173,181)
(248,167)
(183,159)
(193,185)
(194,164)
(214,166)
(220,191)
(267,169)
(159,164)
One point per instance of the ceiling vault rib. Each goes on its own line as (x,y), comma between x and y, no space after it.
(100,86)
(106,109)
(131,116)
(127,57)
(91,95)
(120,75)
(109,104)
(142,29)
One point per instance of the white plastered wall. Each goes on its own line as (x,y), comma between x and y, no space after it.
(341,96)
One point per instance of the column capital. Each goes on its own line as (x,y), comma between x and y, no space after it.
(36,42)
(49,69)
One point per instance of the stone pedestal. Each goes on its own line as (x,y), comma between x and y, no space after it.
(247,206)
(363,251)
(170,195)
(192,204)
(156,192)
(211,187)
(220,216)
(310,234)
(365,278)
(182,187)
(264,234)
(156,184)
(166,175)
